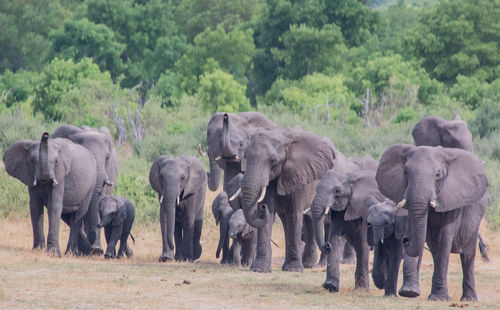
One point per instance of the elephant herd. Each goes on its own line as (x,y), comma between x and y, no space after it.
(431,192)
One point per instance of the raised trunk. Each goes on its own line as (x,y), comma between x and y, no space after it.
(417,221)
(227,151)
(43,158)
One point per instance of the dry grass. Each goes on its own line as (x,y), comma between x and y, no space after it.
(32,279)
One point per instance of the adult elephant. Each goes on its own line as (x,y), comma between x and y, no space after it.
(444,190)
(227,137)
(282,167)
(100,144)
(60,175)
(181,183)
(435,131)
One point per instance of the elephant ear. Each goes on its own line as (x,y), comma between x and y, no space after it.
(308,158)
(120,216)
(362,185)
(427,132)
(400,221)
(154,173)
(15,160)
(216,207)
(197,175)
(390,172)
(465,183)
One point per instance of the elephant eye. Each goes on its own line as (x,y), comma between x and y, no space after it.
(57,161)
(338,192)
(438,175)
(183,177)
(369,225)
(241,144)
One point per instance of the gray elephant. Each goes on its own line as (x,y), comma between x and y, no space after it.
(282,167)
(60,175)
(222,209)
(227,138)
(244,239)
(181,184)
(343,196)
(117,216)
(386,227)
(100,144)
(435,131)
(444,190)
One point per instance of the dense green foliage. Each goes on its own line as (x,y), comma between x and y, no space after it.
(156,70)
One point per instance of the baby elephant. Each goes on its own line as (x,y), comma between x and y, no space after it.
(117,216)
(244,239)
(386,226)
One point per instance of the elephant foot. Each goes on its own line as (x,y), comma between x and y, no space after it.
(96,250)
(469,297)
(261,266)
(39,245)
(322,261)
(197,250)
(165,257)
(54,251)
(309,261)
(109,255)
(129,252)
(439,297)
(293,266)
(390,294)
(409,291)
(332,285)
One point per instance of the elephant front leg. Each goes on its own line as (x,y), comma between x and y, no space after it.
(411,274)
(310,254)
(334,257)
(469,282)
(361,275)
(187,238)
(93,232)
(116,233)
(74,233)
(293,232)
(36,213)
(197,248)
(237,252)
(262,262)
(393,263)
(178,240)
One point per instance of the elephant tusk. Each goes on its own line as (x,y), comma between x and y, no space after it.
(262,195)
(235,195)
(402,203)
(200,151)
(236,157)
(108,183)
(161,198)
(177,200)
(306,210)
(55,181)
(327,210)
(34,181)
(382,241)
(433,204)
(218,157)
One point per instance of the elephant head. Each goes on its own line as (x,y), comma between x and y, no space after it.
(227,138)
(435,131)
(41,162)
(110,209)
(238,226)
(221,209)
(383,220)
(288,158)
(426,177)
(174,179)
(342,192)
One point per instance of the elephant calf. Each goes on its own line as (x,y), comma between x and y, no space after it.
(386,226)
(244,239)
(117,217)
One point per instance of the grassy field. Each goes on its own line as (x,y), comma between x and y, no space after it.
(32,279)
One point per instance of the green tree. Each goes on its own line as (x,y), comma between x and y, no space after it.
(16,87)
(220,92)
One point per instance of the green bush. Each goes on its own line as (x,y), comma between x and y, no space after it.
(487,119)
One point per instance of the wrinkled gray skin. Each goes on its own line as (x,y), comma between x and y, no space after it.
(286,163)
(100,144)
(386,226)
(435,131)
(344,195)
(244,239)
(181,185)
(117,217)
(60,175)
(445,194)
(228,140)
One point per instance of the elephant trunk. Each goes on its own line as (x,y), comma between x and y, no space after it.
(43,158)
(227,151)
(256,215)
(168,220)
(214,175)
(318,215)
(224,228)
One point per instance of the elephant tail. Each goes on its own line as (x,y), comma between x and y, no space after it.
(133,239)
(483,249)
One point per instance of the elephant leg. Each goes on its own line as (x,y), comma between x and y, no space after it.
(310,254)
(237,252)
(293,232)
(379,272)
(91,221)
(393,262)
(333,263)
(187,236)
(36,213)
(361,275)
(54,210)
(262,262)
(83,243)
(469,283)
(322,258)
(75,228)
(249,249)
(178,240)
(349,255)
(197,248)
(116,233)
(411,274)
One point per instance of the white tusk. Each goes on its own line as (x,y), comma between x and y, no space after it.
(327,210)
(402,203)
(433,204)
(382,240)
(161,198)
(200,151)
(262,195)
(55,181)
(218,157)
(34,181)
(306,210)
(235,195)
(236,157)
(177,201)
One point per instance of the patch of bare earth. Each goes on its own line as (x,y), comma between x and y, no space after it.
(32,279)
